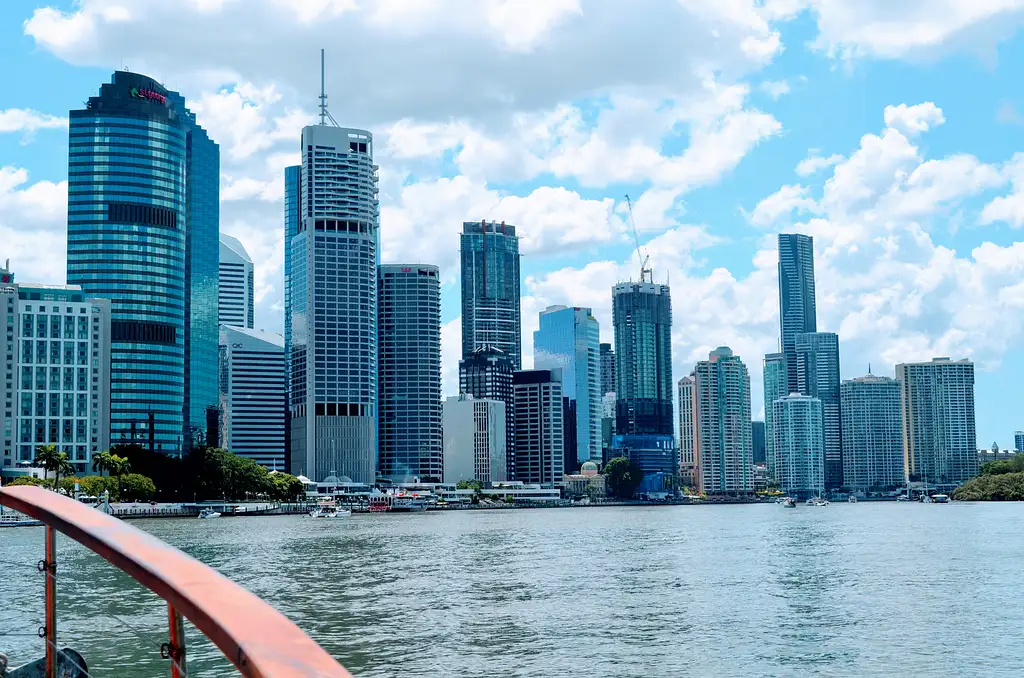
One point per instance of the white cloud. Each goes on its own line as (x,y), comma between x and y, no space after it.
(781,204)
(32,220)
(1008,208)
(26,120)
(912,120)
(814,163)
(913,28)
(775,88)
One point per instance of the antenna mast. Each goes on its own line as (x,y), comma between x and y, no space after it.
(646,275)
(324,113)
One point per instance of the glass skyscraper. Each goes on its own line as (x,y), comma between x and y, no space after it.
(569,339)
(642,319)
(128,167)
(797,311)
(490,289)
(798,443)
(202,270)
(409,341)
(331,309)
(817,364)
(607,369)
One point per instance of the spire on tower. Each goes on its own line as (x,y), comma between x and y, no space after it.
(324,113)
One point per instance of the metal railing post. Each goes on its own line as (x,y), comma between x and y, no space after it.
(176,651)
(50,572)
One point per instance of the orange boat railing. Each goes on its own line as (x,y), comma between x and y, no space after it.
(260,641)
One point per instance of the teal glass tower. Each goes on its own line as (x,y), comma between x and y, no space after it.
(127,209)
(202,270)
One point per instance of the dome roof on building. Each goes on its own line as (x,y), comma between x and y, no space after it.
(589,468)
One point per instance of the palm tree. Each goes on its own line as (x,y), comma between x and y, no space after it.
(53,460)
(101,462)
(118,466)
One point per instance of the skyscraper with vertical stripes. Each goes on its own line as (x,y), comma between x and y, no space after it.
(331,313)
(490,289)
(797,306)
(127,242)
(237,284)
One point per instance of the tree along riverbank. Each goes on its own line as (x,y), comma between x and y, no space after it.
(992,487)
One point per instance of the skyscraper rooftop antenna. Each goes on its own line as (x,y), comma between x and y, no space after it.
(324,113)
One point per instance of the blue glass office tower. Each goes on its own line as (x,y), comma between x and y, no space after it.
(127,169)
(490,289)
(332,307)
(568,339)
(292,219)
(797,307)
(202,270)
(642,318)
(409,360)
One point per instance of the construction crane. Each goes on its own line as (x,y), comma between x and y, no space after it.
(646,274)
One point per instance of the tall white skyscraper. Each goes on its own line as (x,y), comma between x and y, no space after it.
(724,447)
(237,286)
(939,437)
(332,250)
(569,340)
(252,395)
(799,446)
(872,434)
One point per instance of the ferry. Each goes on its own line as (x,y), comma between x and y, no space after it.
(408,504)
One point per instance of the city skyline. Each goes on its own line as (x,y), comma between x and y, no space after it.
(560,255)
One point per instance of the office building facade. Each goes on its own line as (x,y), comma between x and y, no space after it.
(539,448)
(332,307)
(1018,441)
(689,467)
(409,360)
(758,442)
(937,409)
(202,279)
(642,318)
(872,434)
(487,374)
(569,339)
(127,228)
(474,440)
(237,284)
(252,395)
(490,289)
(724,448)
(607,369)
(799,446)
(817,362)
(797,305)
(60,373)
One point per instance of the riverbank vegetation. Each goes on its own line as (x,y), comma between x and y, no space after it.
(998,481)
(136,474)
(623,477)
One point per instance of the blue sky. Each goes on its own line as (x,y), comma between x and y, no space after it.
(546,113)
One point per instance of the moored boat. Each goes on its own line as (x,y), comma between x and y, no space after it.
(208,513)
(789,502)
(852,499)
(940,498)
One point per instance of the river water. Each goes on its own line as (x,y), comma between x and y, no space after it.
(868,589)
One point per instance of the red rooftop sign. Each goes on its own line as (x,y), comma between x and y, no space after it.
(141,93)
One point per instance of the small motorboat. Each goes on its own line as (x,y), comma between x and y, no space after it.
(208,513)
(817,501)
(902,497)
(329,512)
(940,498)
(852,499)
(789,502)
